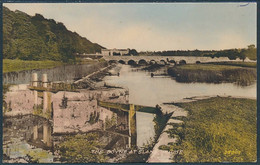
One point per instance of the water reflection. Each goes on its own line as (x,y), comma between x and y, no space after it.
(145,130)
(27,136)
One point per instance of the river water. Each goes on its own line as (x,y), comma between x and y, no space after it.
(149,91)
(143,90)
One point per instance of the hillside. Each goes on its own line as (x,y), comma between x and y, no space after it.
(36,38)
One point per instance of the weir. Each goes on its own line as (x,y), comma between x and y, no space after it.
(45,89)
(129,110)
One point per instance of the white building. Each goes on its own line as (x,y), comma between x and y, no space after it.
(114,52)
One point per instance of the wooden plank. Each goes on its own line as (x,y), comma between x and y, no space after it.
(123,107)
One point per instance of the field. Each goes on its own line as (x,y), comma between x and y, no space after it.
(217,130)
(20,65)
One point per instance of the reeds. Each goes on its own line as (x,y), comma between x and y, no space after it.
(240,76)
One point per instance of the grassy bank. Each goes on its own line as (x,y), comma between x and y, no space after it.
(20,65)
(211,73)
(218,130)
(236,63)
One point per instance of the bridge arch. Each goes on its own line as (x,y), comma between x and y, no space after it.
(131,62)
(142,62)
(121,61)
(172,61)
(162,62)
(182,62)
(198,62)
(152,62)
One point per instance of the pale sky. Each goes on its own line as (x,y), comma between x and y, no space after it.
(155,26)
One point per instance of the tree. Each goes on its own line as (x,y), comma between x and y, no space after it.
(242,55)
(133,52)
(37,38)
(252,46)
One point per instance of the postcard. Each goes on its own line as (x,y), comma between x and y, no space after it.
(129,82)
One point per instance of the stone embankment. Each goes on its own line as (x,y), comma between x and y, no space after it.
(81,112)
(61,73)
(157,155)
(19,100)
(163,156)
(71,111)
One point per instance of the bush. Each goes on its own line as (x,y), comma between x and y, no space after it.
(78,149)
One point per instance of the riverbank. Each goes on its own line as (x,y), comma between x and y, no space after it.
(22,65)
(158,155)
(18,99)
(68,73)
(218,129)
(236,63)
(211,73)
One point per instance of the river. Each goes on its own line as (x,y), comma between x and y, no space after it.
(150,91)
(143,90)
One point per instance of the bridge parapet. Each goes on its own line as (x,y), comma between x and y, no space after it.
(177,59)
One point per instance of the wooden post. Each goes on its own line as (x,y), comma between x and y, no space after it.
(34,84)
(45,94)
(132,125)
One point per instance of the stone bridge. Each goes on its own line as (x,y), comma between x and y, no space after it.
(164,59)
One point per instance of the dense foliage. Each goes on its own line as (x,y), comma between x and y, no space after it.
(78,149)
(217,130)
(36,38)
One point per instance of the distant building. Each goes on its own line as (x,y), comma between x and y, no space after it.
(114,52)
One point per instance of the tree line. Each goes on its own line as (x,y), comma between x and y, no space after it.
(232,54)
(36,38)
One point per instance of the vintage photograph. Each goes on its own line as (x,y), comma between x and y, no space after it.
(129,82)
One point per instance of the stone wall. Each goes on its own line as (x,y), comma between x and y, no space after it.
(81,106)
(80,111)
(61,73)
(19,101)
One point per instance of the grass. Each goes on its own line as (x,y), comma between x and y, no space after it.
(20,65)
(219,130)
(211,73)
(205,67)
(236,63)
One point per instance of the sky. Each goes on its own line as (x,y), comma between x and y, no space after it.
(155,26)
